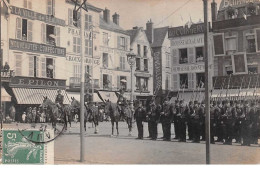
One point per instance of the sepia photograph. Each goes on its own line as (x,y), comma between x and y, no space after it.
(129,82)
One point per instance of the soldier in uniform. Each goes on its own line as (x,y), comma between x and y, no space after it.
(175,119)
(189,120)
(238,121)
(166,120)
(213,124)
(247,124)
(202,117)
(230,117)
(182,117)
(221,125)
(121,102)
(59,100)
(196,123)
(254,118)
(154,115)
(148,116)
(139,116)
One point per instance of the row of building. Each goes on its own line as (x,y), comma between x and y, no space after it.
(41,43)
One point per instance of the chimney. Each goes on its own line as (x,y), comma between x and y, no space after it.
(136,27)
(116,18)
(214,11)
(106,15)
(149,31)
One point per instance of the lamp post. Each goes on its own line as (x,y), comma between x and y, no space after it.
(131,61)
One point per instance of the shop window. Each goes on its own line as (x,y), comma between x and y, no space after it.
(201,80)
(183,81)
(123,82)
(145,51)
(49,68)
(107,81)
(138,64)
(50,7)
(145,64)
(76,45)
(122,63)
(138,50)
(105,60)
(252,70)
(199,54)
(183,56)
(50,35)
(88,22)
(88,47)
(105,39)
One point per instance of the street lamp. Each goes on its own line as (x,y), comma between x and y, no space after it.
(131,61)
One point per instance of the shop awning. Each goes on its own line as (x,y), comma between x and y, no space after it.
(35,96)
(5,97)
(76,95)
(106,95)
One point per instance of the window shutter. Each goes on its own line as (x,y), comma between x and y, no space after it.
(86,22)
(25,3)
(57,34)
(37,67)
(70,18)
(30,30)
(124,63)
(78,45)
(101,81)
(118,82)
(175,54)
(18,28)
(191,80)
(126,43)
(191,55)
(30,4)
(43,33)
(90,47)
(128,83)
(120,63)
(175,78)
(31,65)
(49,5)
(79,20)
(118,42)
(18,64)
(43,60)
(257,37)
(54,69)
(218,44)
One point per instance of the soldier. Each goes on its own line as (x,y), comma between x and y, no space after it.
(189,120)
(221,125)
(247,124)
(213,124)
(121,101)
(166,120)
(202,120)
(139,116)
(59,100)
(182,114)
(148,116)
(229,119)
(175,119)
(255,123)
(154,114)
(196,123)
(238,122)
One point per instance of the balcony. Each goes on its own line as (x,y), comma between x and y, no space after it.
(237,22)
(6,75)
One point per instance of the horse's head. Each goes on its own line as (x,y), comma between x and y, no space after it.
(75,103)
(107,106)
(46,102)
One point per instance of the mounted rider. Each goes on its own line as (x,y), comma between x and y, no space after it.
(59,100)
(121,102)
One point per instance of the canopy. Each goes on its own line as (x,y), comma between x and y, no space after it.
(5,97)
(76,95)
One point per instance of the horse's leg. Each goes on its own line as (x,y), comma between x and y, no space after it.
(112,122)
(85,122)
(117,128)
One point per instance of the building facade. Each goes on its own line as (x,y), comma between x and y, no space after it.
(188,66)
(143,69)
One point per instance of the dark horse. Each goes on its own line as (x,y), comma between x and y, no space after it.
(55,114)
(75,108)
(92,114)
(111,109)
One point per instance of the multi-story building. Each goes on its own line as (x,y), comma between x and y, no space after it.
(236,27)
(114,46)
(143,70)
(188,67)
(161,53)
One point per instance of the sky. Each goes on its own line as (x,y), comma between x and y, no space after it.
(162,12)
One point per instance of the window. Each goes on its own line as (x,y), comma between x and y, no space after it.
(231,43)
(50,35)
(122,42)
(76,45)
(168,62)
(71,22)
(183,81)
(199,54)
(250,42)
(141,84)
(51,7)
(138,50)
(24,29)
(138,64)
(145,51)
(219,47)
(251,10)
(50,68)
(88,47)
(33,66)
(105,60)
(123,82)
(18,64)
(107,81)
(27,4)
(88,22)
(122,63)
(183,56)
(145,64)
(201,80)
(105,39)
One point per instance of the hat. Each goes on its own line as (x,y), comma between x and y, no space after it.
(195,102)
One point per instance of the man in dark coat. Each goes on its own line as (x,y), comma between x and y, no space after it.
(166,120)
(154,115)
(182,117)
(229,120)
(247,124)
(213,121)
(189,120)
(139,116)
(196,123)
(175,119)
(202,117)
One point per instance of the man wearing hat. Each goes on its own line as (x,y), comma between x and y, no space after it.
(166,120)
(238,122)
(154,115)
(139,116)
(59,100)
(230,116)
(182,116)
(175,119)
(189,120)
(196,123)
(202,116)
(213,121)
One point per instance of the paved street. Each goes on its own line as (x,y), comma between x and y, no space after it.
(104,149)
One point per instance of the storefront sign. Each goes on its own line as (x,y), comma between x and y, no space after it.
(157,69)
(74,58)
(76,32)
(106,71)
(237,2)
(142,75)
(189,68)
(194,40)
(184,31)
(15,44)
(30,82)
(25,13)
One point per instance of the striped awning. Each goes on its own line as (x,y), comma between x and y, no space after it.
(5,97)
(106,95)
(35,96)
(76,95)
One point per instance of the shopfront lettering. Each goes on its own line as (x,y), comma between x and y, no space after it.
(237,2)
(190,41)
(189,68)
(15,44)
(184,31)
(28,82)
(25,13)
(77,59)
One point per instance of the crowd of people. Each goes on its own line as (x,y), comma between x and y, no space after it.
(229,120)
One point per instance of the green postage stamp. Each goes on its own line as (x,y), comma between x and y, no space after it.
(19,149)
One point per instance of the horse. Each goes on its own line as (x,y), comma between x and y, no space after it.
(75,108)
(111,109)
(128,116)
(92,114)
(54,111)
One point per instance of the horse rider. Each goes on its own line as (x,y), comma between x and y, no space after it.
(59,100)
(121,102)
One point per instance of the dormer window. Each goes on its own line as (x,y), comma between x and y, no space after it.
(252,9)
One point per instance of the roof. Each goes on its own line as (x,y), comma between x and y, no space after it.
(159,36)
(132,33)
(111,26)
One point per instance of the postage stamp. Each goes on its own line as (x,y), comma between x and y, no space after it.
(18,149)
